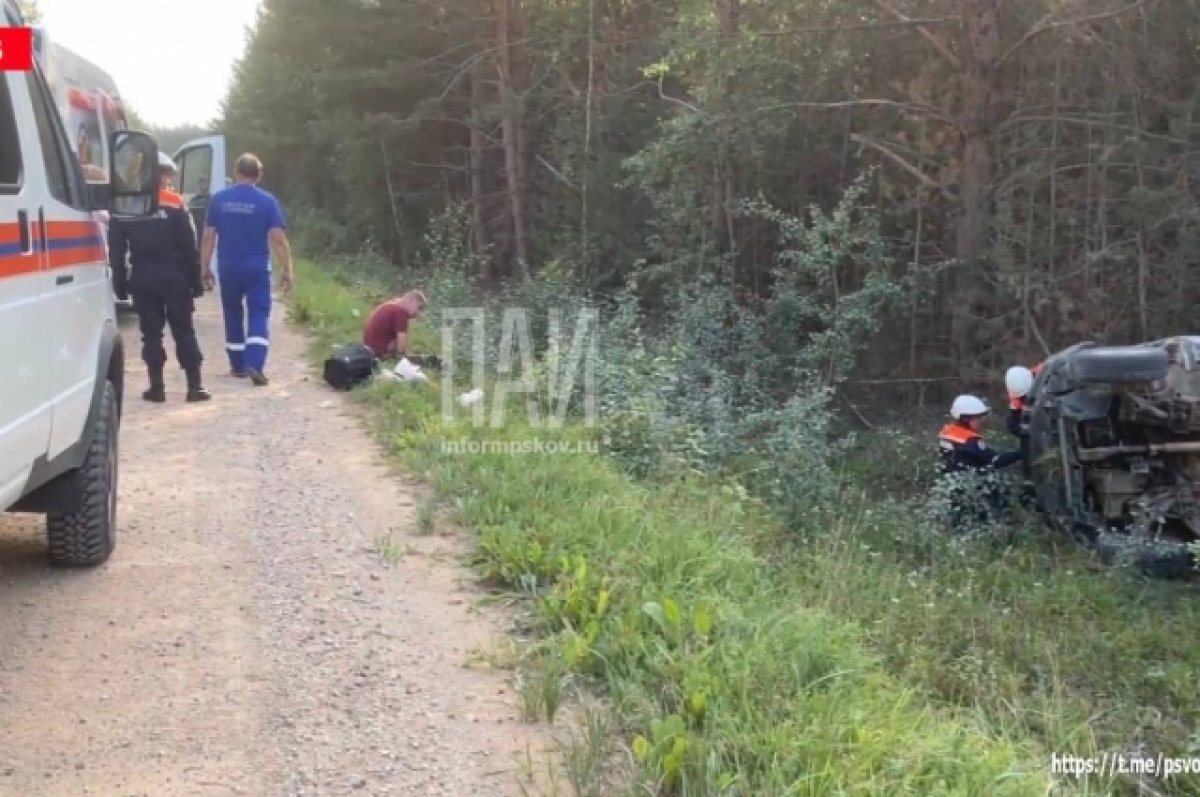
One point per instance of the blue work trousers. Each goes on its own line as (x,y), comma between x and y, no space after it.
(246,300)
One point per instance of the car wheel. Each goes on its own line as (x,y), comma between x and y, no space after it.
(86,536)
(1160,559)
(1172,565)
(1109,364)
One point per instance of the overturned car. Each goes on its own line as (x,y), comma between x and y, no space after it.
(1114,449)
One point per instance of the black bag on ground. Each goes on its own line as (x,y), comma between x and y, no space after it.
(349,366)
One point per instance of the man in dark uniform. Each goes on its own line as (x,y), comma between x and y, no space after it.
(1019,382)
(961,441)
(164,282)
(963,450)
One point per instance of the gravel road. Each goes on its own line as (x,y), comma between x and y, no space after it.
(247,637)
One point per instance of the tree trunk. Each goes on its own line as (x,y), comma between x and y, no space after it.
(585,176)
(391,191)
(1143,275)
(478,214)
(724,180)
(980,21)
(511,124)
(520,79)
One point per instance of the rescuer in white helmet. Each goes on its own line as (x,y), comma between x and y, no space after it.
(961,441)
(964,451)
(1018,380)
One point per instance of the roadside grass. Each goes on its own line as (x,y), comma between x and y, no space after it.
(1033,632)
(865,658)
(389,548)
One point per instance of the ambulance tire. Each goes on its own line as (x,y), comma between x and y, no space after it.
(86,537)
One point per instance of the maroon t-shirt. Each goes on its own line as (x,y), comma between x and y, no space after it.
(385,322)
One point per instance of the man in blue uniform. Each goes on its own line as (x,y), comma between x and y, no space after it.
(245,226)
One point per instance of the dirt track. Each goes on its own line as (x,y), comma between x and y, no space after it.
(247,637)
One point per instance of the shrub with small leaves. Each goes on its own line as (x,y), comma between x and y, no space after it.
(972,503)
(744,389)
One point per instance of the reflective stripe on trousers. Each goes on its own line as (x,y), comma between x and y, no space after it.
(246,301)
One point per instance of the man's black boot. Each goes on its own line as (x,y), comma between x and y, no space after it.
(195,388)
(158,391)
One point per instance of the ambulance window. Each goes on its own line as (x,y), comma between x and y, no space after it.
(10,143)
(57,167)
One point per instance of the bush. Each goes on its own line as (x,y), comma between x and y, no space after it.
(745,391)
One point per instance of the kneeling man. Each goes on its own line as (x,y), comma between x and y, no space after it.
(386,330)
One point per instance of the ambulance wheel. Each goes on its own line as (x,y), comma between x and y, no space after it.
(86,536)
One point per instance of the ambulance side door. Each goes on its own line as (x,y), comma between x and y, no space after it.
(75,257)
(26,410)
(201,164)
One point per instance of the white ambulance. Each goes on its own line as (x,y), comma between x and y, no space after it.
(61,356)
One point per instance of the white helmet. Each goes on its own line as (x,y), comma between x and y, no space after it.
(967,406)
(1019,381)
(165,162)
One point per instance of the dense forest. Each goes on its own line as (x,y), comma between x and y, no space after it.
(893,198)
(1030,163)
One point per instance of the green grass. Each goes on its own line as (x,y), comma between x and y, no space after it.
(733,661)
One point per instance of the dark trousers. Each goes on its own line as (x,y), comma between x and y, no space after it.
(1026,465)
(158,306)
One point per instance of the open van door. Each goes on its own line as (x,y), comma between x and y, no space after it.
(202,172)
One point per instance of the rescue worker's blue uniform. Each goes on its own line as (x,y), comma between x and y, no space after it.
(243,216)
(962,448)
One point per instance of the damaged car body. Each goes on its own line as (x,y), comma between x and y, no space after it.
(1114,449)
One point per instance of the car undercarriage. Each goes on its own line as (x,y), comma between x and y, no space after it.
(1114,441)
